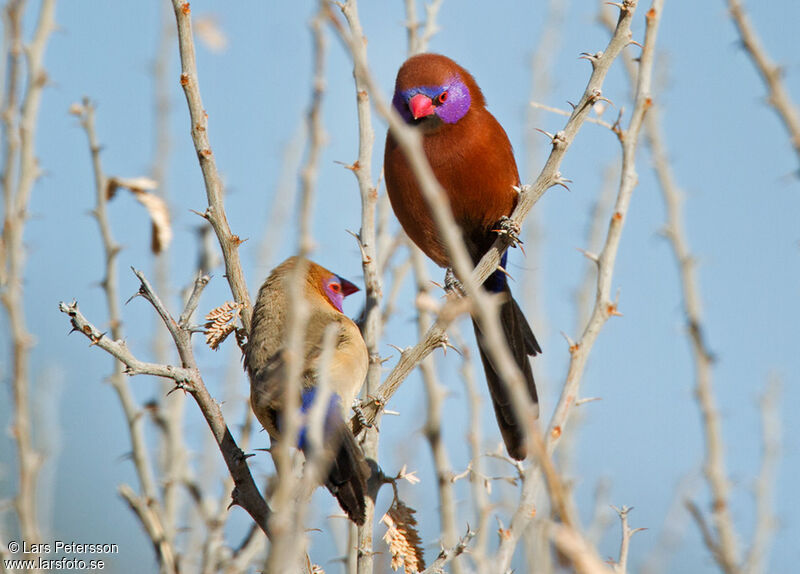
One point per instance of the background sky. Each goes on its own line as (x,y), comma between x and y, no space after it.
(730,153)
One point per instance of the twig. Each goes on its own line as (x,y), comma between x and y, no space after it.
(418,40)
(449,553)
(435,393)
(565,113)
(778,98)
(603,307)
(215,212)
(673,529)
(289,499)
(186,377)
(20,173)
(765,483)
(478,481)
(726,548)
(172,449)
(118,349)
(705,530)
(594,242)
(154,521)
(621,567)
(583,556)
(545,53)
(371,325)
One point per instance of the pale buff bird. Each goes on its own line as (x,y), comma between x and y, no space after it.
(264,361)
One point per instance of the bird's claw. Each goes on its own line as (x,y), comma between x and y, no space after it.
(510,228)
(452,283)
(360,416)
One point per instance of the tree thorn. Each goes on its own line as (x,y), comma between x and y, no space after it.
(562,181)
(589,255)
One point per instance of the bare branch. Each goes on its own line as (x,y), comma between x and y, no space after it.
(725,549)
(583,556)
(767,477)
(603,308)
(621,566)
(20,173)
(215,213)
(371,323)
(154,520)
(435,394)
(419,34)
(778,96)
(449,553)
(186,377)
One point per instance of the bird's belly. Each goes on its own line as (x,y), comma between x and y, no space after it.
(347,372)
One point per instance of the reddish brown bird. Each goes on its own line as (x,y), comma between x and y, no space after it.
(471,156)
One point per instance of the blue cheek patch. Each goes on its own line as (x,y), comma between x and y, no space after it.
(457,104)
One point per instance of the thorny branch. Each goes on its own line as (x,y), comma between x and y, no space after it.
(20,173)
(290,499)
(434,391)
(187,377)
(151,515)
(621,567)
(215,212)
(604,307)
(765,483)
(771,74)
(725,548)
(371,323)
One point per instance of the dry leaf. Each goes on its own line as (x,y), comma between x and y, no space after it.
(209,32)
(132,183)
(159,216)
(161,234)
(403,538)
(221,322)
(411,477)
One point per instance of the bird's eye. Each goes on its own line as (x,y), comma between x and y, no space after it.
(442,97)
(335,287)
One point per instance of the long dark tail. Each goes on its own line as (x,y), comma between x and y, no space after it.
(522,344)
(347,477)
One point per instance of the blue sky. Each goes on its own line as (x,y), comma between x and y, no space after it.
(730,154)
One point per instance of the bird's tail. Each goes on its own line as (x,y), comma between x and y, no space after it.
(347,477)
(522,343)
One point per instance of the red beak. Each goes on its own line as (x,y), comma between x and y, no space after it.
(421,106)
(347,287)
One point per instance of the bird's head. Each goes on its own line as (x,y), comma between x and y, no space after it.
(319,282)
(432,90)
(336,288)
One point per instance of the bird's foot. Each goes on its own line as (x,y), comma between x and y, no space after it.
(452,284)
(510,228)
(362,418)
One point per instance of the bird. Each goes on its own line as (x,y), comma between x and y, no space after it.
(472,159)
(265,363)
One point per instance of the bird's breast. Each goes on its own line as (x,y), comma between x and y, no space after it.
(474,163)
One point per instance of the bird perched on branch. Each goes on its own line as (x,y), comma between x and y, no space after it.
(265,360)
(472,159)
